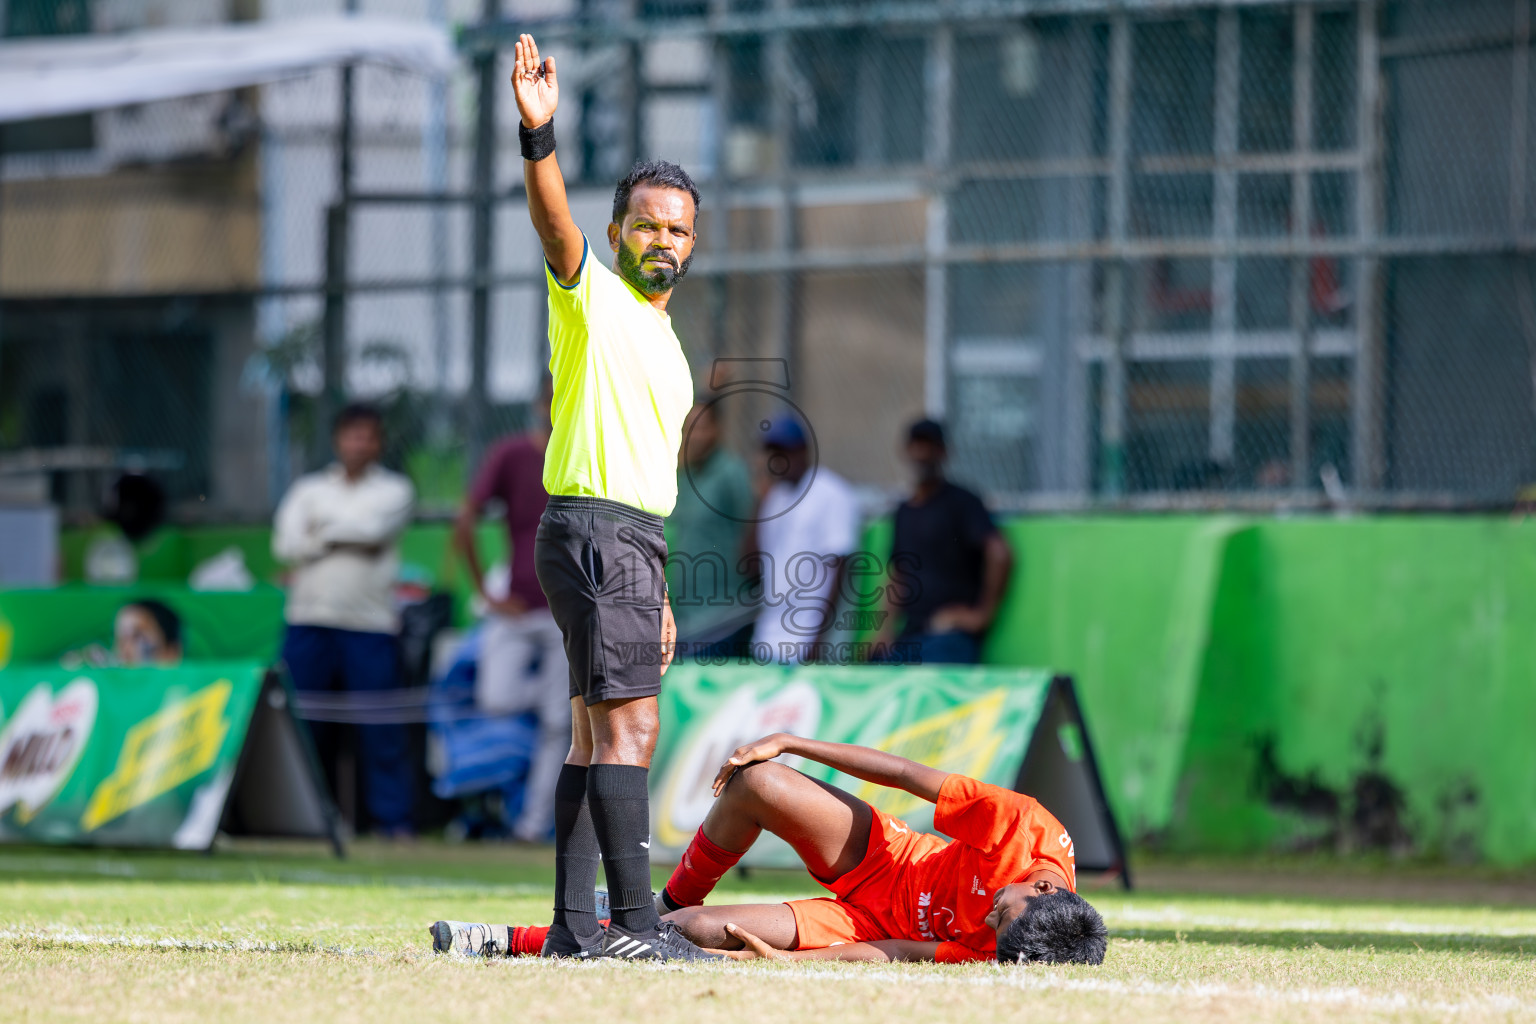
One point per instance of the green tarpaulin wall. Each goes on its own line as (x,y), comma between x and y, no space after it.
(1273,684)
(42,624)
(169,555)
(1254,683)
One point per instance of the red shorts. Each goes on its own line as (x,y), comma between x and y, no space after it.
(863,907)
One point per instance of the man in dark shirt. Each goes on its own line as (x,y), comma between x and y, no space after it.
(522,663)
(949,564)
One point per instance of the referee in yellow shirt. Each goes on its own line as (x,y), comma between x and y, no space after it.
(621,390)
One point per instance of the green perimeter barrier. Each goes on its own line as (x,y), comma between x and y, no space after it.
(1268,684)
(1124,605)
(1370,685)
(1265,683)
(40,625)
(170,554)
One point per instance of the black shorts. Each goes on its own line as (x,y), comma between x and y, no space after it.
(602,566)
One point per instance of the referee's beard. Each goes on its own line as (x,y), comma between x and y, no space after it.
(654,277)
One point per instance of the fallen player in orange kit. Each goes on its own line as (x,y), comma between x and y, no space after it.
(1003,888)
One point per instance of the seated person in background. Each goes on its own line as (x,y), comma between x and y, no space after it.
(949,564)
(147,632)
(1003,888)
(144,632)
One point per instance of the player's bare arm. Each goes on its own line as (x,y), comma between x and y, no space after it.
(871,765)
(839,568)
(463,539)
(538,94)
(878,951)
(997,564)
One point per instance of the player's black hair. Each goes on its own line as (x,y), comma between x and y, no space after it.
(1058,928)
(358,412)
(652,172)
(165,618)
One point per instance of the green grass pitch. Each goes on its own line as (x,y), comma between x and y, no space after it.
(284,933)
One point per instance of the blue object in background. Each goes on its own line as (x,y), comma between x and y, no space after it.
(478,753)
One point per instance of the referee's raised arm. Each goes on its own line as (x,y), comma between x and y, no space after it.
(538,94)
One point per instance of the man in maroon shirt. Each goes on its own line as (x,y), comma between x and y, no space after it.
(522,663)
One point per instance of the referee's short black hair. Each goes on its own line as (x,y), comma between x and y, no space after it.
(1058,928)
(652,172)
(358,412)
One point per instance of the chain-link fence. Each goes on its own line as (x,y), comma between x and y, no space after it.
(1134,254)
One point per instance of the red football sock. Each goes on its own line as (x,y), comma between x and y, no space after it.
(527,941)
(703,865)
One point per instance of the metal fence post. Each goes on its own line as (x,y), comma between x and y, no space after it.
(1519,110)
(333,337)
(435,144)
(333,340)
(776,52)
(940,81)
(477,403)
(1301,231)
(719,237)
(1112,398)
(1365,387)
(1223,426)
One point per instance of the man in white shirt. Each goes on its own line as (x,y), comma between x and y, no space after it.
(339,529)
(807,523)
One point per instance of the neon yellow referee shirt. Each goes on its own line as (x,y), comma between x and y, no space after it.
(622,388)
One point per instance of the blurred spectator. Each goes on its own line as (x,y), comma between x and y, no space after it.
(806,525)
(339,529)
(136,503)
(522,665)
(714,503)
(949,564)
(146,632)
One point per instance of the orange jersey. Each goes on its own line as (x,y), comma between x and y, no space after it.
(911,885)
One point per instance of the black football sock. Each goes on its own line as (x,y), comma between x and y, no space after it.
(576,856)
(621,816)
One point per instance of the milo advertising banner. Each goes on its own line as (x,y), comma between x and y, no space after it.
(160,757)
(1018,728)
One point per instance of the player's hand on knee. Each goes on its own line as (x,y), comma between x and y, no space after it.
(765,749)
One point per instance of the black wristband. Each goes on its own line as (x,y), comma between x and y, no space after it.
(537,143)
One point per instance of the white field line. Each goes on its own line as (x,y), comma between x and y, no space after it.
(1047,980)
(106,867)
(1123,916)
(1021,978)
